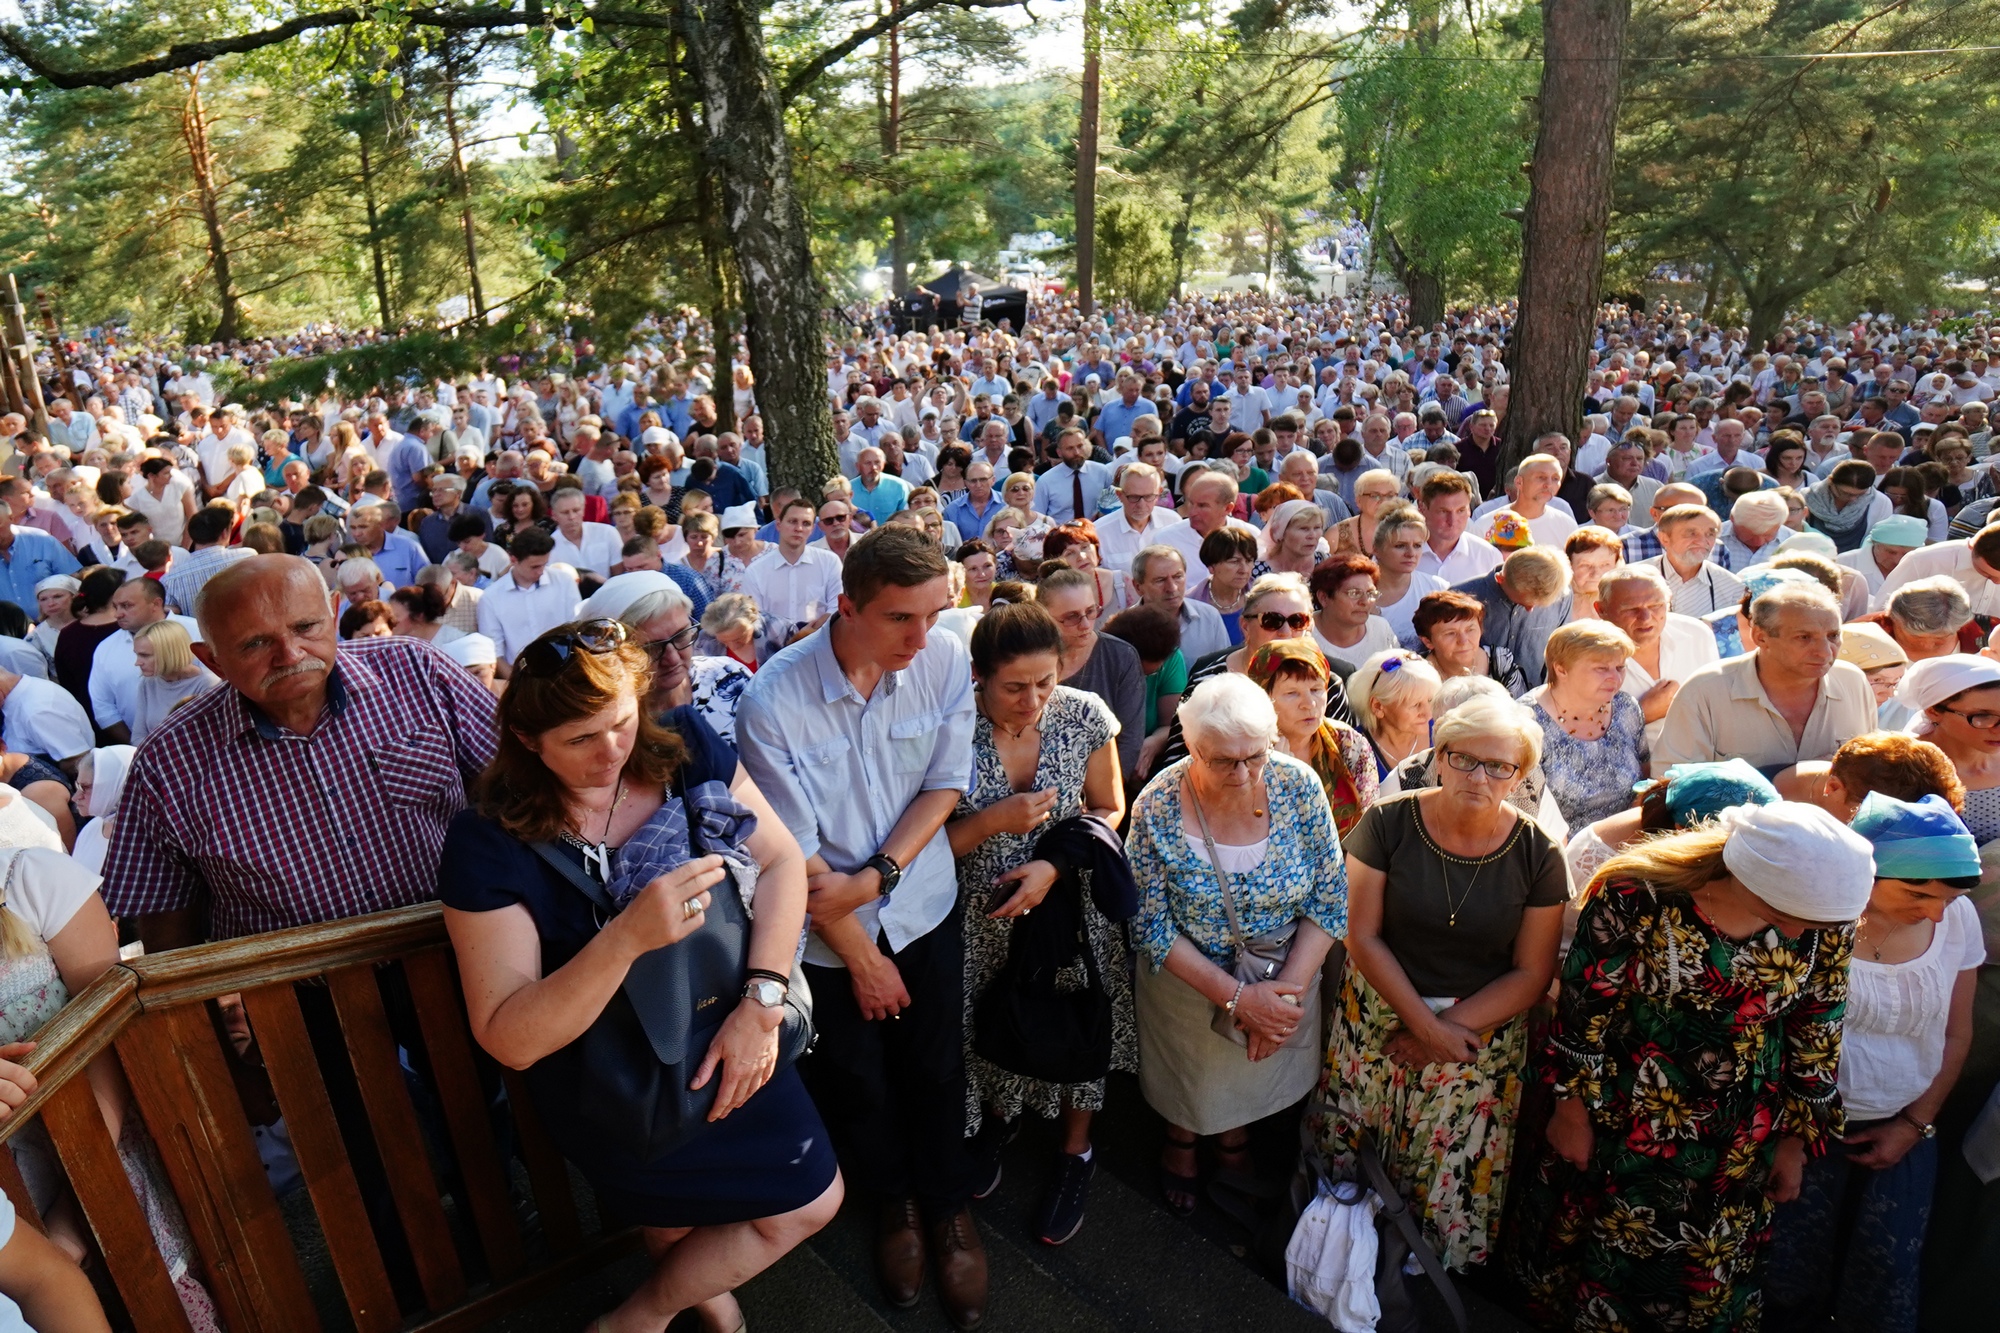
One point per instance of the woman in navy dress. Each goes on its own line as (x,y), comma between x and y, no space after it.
(583,766)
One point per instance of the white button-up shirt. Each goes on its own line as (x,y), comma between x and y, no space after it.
(797,591)
(600,549)
(514,617)
(1118,541)
(1686,646)
(840,770)
(114,675)
(1472,557)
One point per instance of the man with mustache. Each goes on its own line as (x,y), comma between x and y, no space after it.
(315,786)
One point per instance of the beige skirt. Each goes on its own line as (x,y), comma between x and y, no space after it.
(1204,1082)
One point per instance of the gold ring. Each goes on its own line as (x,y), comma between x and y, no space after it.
(691,908)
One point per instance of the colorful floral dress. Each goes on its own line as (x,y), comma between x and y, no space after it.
(1075,725)
(1696,1053)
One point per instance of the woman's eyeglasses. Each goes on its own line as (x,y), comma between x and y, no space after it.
(1497,769)
(1982,721)
(1273,621)
(1224,764)
(1078,619)
(548,655)
(680,643)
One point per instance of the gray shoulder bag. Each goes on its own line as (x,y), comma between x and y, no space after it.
(1258,957)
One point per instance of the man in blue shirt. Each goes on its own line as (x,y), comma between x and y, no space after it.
(858,735)
(971,512)
(1076,477)
(1116,418)
(410,455)
(27,556)
(877,494)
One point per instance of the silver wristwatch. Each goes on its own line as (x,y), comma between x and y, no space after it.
(764,991)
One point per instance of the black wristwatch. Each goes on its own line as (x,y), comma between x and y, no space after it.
(885,866)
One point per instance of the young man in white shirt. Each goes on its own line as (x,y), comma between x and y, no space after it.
(1452,553)
(592,546)
(792,581)
(531,600)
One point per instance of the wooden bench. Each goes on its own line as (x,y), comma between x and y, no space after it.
(152,1016)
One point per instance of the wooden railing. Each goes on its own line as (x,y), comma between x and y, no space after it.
(153,1016)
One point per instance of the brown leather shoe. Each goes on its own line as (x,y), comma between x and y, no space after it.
(899,1252)
(961,1261)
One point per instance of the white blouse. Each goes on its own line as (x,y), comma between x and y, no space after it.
(1892,1042)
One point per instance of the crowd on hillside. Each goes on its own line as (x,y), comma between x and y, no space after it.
(1596,841)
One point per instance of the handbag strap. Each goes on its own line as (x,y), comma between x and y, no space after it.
(1397,1209)
(656,983)
(1215,864)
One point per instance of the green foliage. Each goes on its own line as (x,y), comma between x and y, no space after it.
(1135,263)
(1823,186)
(1433,130)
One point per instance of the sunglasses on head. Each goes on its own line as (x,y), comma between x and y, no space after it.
(550,653)
(1277,620)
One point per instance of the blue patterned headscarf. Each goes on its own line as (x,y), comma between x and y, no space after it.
(1702,791)
(1916,840)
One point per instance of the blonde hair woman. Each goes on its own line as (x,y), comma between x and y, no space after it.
(1391,694)
(1594,747)
(350,462)
(1704,989)
(1455,902)
(1374,491)
(169,675)
(1401,538)
(1019,493)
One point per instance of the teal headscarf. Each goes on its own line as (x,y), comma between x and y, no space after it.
(1702,791)
(1916,840)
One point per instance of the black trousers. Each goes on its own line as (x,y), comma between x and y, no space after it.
(892,1092)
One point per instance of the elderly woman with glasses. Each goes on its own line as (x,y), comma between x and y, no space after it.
(1955,700)
(1232,846)
(1456,904)
(1295,674)
(1344,621)
(591,796)
(661,618)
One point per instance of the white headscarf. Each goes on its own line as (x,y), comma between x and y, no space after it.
(1799,859)
(1935,679)
(621,590)
(108,766)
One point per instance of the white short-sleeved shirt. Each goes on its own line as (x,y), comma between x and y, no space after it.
(45,888)
(41,717)
(1892,1040)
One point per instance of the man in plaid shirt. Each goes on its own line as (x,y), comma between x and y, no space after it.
(315,786)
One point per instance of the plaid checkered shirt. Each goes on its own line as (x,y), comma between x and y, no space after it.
(275,829)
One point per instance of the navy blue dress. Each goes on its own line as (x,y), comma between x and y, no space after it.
(769,1156)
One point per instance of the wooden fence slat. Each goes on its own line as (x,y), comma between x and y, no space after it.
(398,1136)
(435,991)
(547,1171)
(205,971)
(322,1153)
(183,1087)
(83,1141)
(17,1191)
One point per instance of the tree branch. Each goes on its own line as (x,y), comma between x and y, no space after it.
(184,55)
(803,77)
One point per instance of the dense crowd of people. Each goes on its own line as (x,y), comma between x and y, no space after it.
(1198,695)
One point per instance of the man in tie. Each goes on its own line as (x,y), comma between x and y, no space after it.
(1069,490)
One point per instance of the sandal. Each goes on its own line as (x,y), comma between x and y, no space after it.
(1178,1189)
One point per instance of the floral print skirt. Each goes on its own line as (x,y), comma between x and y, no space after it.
(1445,1131)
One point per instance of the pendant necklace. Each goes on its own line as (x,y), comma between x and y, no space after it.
(597,859)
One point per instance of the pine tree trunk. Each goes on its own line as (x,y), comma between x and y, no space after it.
(1569,209)
(462,184)
(374,230)
(201,166)
(1086,167)
(748,153)
(1179,238)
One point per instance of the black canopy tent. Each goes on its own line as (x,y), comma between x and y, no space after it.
(940,301)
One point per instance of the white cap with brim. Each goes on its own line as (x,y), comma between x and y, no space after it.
(739,516)
(656,435)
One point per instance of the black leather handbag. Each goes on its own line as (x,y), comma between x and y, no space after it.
(624,1082)
(1024,1024)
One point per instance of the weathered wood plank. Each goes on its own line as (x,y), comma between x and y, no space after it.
(184,1090)
(398,1136)
(343,1216)
(547,1171)
(205,971)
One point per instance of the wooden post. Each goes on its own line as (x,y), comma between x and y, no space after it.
(21,351)
(63,379)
